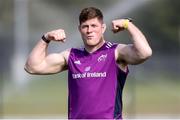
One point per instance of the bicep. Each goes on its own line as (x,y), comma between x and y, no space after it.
(53,63)
(127,54)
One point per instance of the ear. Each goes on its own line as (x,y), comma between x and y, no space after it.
(104,27)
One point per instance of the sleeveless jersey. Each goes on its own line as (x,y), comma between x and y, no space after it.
(95,84)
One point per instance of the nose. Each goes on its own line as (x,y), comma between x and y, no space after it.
(89,30)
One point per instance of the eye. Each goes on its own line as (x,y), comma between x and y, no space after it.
(94,25)
(84,26)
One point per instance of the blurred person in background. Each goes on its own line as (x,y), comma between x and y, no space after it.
(96,72)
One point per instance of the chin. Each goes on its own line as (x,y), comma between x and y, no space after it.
(91,43)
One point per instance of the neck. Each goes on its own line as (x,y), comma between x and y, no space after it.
(93,48)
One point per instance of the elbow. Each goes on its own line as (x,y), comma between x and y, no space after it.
(146,54)
(29,69)
(149,53)
(141,56)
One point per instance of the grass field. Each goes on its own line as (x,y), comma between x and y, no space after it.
(46,97)
(160,99)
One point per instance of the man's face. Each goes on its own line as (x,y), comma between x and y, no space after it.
(92,31)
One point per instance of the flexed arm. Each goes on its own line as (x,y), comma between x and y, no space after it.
(40,62)
(135,53)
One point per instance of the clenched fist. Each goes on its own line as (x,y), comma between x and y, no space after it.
(56,35)
(120,24)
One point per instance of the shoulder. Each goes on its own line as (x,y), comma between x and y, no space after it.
(65,54)
(120,51)
(122,48)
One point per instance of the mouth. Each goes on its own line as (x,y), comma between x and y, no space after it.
(90,37)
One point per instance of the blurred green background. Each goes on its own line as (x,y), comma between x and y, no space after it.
(152,88)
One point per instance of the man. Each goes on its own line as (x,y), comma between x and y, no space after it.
(97,72)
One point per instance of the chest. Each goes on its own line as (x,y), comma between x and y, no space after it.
(96,62)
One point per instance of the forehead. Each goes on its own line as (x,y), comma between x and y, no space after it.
(91,21)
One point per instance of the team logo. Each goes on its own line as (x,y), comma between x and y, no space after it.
(88,68)
(78,62)
(102,58)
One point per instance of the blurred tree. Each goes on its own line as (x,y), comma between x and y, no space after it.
(160,21)
(6,33)
(77,3)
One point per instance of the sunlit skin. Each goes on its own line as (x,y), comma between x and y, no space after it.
(92,34)
(92,30)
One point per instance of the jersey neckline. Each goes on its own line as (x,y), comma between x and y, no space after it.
(102,47)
